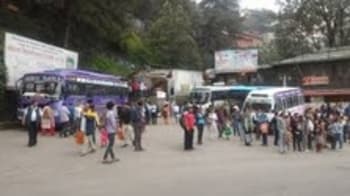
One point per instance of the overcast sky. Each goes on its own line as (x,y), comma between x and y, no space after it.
(257,4)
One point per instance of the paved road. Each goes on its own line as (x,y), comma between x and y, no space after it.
(217,168)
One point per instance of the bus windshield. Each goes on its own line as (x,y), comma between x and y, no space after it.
(200,97)
(265,106)
(49,88)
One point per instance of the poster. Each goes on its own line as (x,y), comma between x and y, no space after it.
(228,61)
(23,55)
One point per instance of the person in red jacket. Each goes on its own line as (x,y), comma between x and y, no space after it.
(189,124)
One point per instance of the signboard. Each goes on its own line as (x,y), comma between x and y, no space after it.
(23,55)
(228,61)
(315,80)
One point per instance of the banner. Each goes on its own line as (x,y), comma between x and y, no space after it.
(228,61)
(23,55)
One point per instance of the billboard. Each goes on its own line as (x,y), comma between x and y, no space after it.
(23,55)
(227,61)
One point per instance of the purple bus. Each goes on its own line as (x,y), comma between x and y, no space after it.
(70,87)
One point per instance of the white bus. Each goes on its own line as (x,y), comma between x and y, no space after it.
(285,99)
(218,95)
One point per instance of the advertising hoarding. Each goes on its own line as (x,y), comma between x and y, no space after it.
(23,55)
(228,61)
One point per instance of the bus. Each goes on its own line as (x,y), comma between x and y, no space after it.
(284,99)
(218,95)
(70,87)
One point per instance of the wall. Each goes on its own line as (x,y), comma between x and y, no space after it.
(183,81)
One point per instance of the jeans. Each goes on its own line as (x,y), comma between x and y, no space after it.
(277,136)
(346,136)
(64,129)
(32,133)
(282,143)
(109,150)
(337,138)
(188,139)
(310,139)
(264,139)
(297,142)
(235,128)
(200,133)
(138,137)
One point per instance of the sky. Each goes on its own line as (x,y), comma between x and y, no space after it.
(257,4)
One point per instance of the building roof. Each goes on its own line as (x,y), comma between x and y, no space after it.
(328,55)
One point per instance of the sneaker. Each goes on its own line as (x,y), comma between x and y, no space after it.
(105,161)
(125,145)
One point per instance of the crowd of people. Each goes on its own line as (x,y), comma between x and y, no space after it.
(318,128)
(126,122)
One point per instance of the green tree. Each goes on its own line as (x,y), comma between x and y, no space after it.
(307,25)
(268,53)
(137,52)
(260,21)
(219,24)
(291,39)
(105,64)
(170,38)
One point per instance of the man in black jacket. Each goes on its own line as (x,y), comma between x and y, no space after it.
(32,120)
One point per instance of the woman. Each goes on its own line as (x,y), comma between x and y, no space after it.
(47,121)
(166,113)
(320,135)
(298,133)
(212,123)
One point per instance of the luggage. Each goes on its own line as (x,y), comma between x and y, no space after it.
(79,137)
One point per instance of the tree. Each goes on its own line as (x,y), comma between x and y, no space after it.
(268,53)
(170,37)
(109,65)
(220,23)
(312,24)
(292,37)
(260,21)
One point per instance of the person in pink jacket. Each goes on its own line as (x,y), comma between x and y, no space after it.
(189,125)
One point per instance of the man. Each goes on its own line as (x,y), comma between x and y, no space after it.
(138,121)
(281,128)
(310,132)
(125,115)
(248,126)
(189,124)
(154,113)
(65,120)
(337,132)
(176,112)
(273,125)
(32,121)
(111,127)
(236,118)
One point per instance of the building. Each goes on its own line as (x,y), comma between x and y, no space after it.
(248,40)
(324,75)
(176,83)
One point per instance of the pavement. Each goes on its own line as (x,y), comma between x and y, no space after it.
(219,167)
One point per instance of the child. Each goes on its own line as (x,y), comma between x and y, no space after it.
(103,138)
(227,130)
